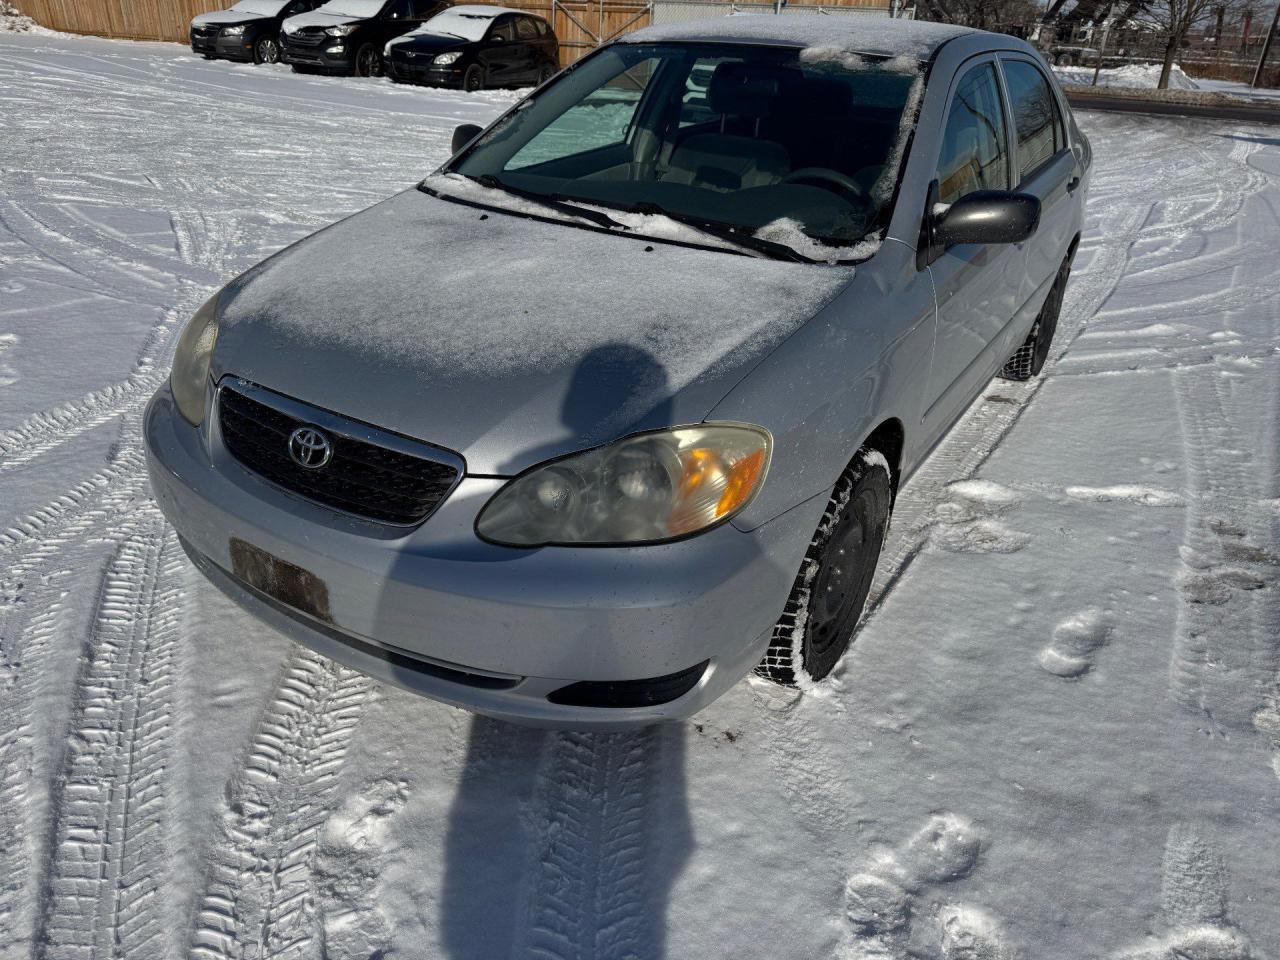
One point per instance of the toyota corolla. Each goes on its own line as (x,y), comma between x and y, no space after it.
(612,409)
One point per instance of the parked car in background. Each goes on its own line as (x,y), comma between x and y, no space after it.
(475,47)
(613,408)
(347,36)
(248,31)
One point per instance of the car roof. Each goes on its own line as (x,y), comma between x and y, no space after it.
(853,32)
(482,10)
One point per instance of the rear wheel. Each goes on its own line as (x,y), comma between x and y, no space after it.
(546,73)
(831,589)
(368,61)
(473,79)
(1029,359)
(266,50)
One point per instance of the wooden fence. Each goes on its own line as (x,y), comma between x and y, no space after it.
(581,25)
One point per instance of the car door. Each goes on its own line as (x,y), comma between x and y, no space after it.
(396,19)
(524,52)
(976,285)
(1046,169)
(496,50)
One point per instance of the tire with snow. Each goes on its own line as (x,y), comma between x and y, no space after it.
(835,576)
(1028,360)
(368,61)
(266,50)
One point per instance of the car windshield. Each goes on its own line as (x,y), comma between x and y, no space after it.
(266,8)
(353,8)
(771,146)
(468,26)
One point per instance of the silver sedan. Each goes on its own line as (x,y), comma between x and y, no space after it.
(612,409)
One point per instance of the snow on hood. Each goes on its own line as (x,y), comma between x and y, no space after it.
(507,339)
(224,16)
(316,18)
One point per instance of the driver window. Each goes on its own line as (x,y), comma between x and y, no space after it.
(399,10)
(600,120)
(501,31)
(974,153)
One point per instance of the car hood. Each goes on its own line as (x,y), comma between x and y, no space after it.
(428,43)
(315,18)
(225,18)
(507,339)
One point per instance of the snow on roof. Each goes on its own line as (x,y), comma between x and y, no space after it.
(861,33)
(481,10)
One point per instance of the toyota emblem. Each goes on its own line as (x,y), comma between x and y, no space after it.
(310,448)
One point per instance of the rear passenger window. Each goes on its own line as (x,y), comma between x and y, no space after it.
(1035,114)
(525,30)
(974,152)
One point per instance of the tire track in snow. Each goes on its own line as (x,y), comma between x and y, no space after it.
(22,648)
(588,895)
(258,900)
(109,865)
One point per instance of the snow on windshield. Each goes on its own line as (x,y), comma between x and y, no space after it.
(265,8)
(352,8)
(469,26)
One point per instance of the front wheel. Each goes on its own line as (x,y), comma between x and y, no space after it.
(831,589)
(368,61)
(266,50)
(473,79)
(1029,359)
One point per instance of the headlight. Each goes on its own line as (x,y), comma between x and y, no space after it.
(190,375)
(341,31)
(446,58)
(644,489)
(233,31)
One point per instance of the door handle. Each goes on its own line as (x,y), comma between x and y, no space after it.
(1073,183)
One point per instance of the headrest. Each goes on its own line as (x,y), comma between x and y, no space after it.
(747,90)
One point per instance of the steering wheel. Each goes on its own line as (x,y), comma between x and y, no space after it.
(832,180)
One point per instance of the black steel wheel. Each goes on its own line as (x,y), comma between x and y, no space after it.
(1029,359)
(831,589)
(266,50)
(368,61)
(473,79)
(546,73)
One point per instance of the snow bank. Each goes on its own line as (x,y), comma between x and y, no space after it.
(1143,76)
(12,20)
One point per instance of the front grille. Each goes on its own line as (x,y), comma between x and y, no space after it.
(306,38)
(361,477)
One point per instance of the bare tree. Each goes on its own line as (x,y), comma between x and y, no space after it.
(1173,20)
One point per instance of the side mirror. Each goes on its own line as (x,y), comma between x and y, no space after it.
(988,216)
(464,134)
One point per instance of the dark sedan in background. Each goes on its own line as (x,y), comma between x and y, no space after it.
(347,36)
(249,31)
(475,47)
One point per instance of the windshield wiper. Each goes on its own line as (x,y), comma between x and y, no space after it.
(552,201)
(722,231)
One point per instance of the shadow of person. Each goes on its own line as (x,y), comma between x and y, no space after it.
(615,389)
(564,843)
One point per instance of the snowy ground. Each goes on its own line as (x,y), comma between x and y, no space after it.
(1057,736)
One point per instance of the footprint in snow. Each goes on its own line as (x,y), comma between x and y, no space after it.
(1075,641)
(888,897)
(967,524)
(8,375)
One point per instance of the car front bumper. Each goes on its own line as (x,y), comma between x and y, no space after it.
(493,629)
(424,72)
(333,55)
(228,48)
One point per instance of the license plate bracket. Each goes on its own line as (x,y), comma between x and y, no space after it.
(280,580)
